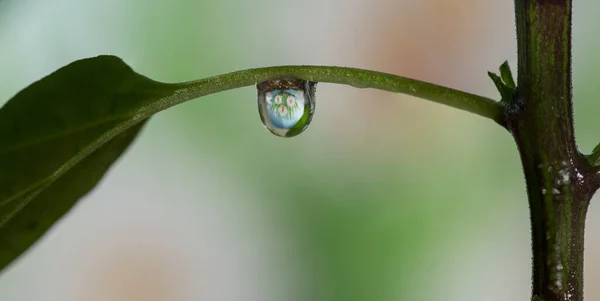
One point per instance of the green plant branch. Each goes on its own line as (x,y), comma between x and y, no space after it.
(357,78)
(185,91)
(182,92)
(59,135)
(560,181)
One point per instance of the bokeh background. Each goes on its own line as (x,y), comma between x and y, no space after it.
(383,197)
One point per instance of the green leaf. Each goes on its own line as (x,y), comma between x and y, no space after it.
(504,83)
(498,82)
(57,139)
(60,135)
(507,76)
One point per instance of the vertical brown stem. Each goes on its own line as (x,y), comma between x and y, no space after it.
(557,175)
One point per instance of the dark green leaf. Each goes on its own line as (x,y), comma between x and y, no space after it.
(506,92)
(497,81)
(507,76)
(57,139)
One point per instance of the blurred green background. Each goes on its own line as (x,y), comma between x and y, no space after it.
(383,197)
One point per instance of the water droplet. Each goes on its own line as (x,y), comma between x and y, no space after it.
(286,106)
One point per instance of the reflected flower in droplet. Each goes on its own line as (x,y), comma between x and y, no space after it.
(291,101)
(286,106)
(283,110)
(278,99)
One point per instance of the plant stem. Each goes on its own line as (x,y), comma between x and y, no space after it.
(358,78)
(558,177)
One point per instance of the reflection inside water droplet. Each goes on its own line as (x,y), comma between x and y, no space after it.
(286,106)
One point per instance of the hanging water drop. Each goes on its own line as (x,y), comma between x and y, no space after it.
(286,106)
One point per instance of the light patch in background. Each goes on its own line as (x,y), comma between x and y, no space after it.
(490,262)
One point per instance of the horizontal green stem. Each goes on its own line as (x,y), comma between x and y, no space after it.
(348,76)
